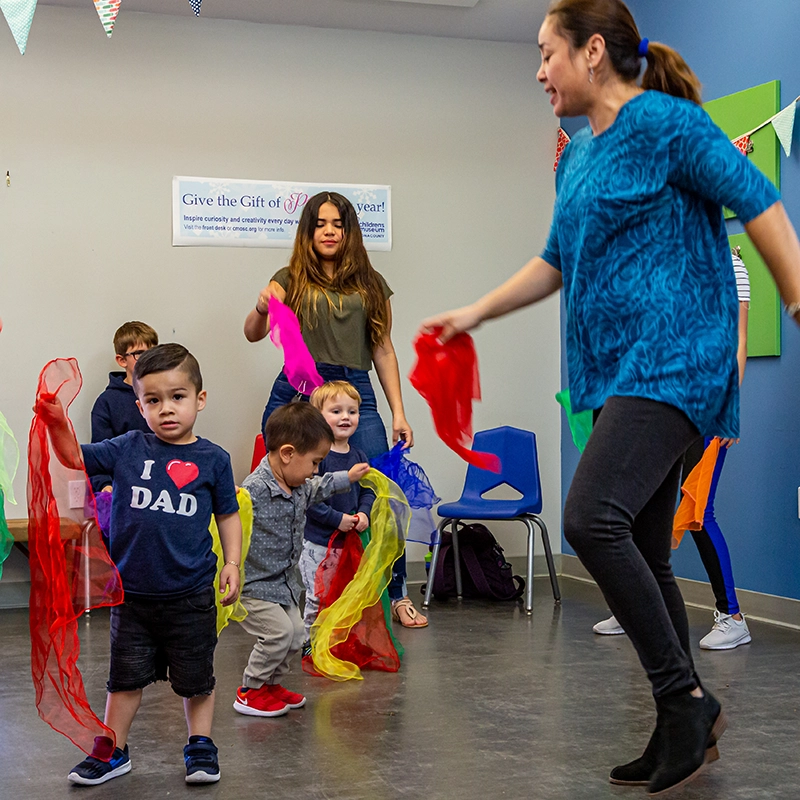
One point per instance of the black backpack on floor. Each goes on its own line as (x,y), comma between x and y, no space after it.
(484,569)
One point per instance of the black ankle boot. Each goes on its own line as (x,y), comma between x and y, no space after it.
(639,771)
(689,729)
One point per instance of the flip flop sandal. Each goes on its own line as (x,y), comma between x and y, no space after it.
(412,612)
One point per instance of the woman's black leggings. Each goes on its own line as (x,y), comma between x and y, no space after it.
(618,518)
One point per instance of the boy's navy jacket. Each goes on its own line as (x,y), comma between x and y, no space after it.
(164,496)
(323,519)
(115,412)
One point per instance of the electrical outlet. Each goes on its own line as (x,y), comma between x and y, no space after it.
(77,493)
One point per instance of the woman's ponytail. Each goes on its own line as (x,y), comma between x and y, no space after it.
(667,72)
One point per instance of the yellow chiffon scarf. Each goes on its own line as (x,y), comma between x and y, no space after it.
(389,522)
(235,612)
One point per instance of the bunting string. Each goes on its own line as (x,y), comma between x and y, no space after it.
(774,117)
(782,123)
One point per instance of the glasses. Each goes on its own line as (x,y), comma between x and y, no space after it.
(135,354)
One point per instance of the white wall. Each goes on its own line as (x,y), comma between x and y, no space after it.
(93,129)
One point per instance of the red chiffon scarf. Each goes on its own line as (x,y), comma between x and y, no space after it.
(368,643)
(446,375)
(71,571)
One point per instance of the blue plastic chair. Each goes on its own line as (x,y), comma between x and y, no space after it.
(520,469)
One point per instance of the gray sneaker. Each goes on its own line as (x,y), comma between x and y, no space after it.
(608,627)
(727,633)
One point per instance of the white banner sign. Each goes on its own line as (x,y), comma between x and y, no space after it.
(215,212)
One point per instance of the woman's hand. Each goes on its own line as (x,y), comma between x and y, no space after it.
(727,442)
(256,325)
(450,323)
(402,430)
(262,304)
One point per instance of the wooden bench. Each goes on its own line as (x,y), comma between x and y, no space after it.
(70,529)
(18,528)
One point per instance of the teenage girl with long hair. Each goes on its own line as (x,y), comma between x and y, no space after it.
(346,318)
(639,246)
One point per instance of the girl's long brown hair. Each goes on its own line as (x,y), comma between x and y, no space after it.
(666,70)
(352,271)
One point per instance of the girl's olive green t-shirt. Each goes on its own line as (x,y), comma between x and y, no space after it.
(337,333)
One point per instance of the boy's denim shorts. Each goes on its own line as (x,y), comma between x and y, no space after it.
(158,640)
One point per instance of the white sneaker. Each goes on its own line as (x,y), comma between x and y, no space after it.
(726,634)
(608,627)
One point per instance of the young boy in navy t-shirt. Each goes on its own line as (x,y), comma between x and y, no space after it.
(167,484)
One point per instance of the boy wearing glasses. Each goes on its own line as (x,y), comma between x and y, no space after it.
(115,411)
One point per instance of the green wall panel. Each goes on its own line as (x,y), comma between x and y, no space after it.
(764,318)
(736,114)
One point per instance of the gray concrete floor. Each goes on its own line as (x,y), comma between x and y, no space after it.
(487,704)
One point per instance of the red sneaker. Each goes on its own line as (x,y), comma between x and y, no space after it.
(260,702)
(291,699)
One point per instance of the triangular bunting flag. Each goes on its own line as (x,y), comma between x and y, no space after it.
(784,127)
(19,15)
(563,141)
(743,145)
(107,10)
(195,4)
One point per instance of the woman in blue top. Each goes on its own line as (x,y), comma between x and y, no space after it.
(638,244)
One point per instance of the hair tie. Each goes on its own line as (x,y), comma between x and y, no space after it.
(642,49)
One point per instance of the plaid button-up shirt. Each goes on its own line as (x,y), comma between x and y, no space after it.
(279,520)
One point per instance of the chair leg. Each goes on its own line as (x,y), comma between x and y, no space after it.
(87,599)
(529,586)
(434,561)
(548,553)
(456,555)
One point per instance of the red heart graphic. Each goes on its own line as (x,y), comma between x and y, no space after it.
(182,472)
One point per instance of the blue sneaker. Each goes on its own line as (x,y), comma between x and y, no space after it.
(92,771)
(202,764)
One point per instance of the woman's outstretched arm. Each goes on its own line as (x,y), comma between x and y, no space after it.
(535,281)
(776,241)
